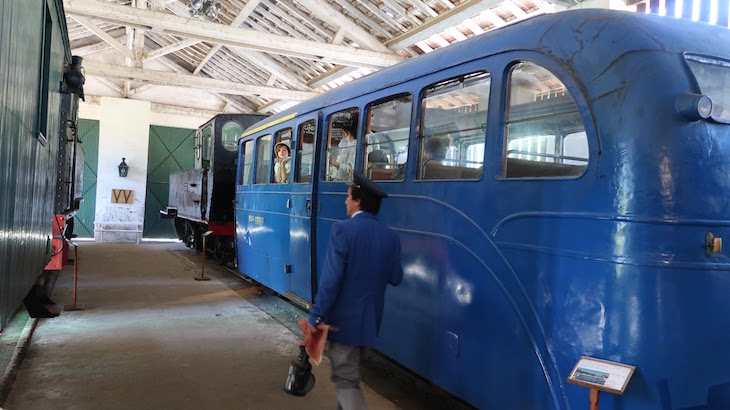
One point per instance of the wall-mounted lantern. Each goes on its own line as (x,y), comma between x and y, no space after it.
(123,169)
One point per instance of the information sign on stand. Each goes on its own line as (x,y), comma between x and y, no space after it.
(601,375)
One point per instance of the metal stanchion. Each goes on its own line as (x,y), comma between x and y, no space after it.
(74,306)
(202,271)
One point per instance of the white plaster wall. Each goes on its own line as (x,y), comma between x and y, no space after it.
(89,111)
(178,121)
(123,132)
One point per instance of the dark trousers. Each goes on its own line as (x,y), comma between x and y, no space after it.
(345,360)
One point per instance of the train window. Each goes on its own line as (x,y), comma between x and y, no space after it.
(263,159)
(282,157)
(247,156)
(386,140)
(453,131)
(307,135)
(230,133)
(205,146)
(44,77)
(713,77)
(341,145)
(544,132)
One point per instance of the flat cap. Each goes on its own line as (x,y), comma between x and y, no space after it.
(367,185)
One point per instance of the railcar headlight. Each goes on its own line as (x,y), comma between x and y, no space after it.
(693,106)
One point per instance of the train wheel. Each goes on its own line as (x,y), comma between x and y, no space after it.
(189,237)
(224,252)
(218,252)
(197,238)
(179,226)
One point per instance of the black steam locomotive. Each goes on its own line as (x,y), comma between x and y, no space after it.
(201,199)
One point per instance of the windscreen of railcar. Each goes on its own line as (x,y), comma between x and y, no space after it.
(713,77)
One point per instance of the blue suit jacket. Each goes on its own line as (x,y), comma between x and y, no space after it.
(363,256)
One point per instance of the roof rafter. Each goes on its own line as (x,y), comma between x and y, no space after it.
(180,80)
(357,33)
(104,36)
(463,11)
(220,34)
(170,49)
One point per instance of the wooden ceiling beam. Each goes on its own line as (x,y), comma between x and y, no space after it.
(375,26)
(220,34)
(458,14)
(170,49)
(104,36)
(189,81)
(326,12)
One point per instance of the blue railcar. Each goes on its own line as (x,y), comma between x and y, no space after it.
(560,187)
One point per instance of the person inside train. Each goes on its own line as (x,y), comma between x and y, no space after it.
(433,154)
(340,169)
(434,149)
(282,164)
(376,160)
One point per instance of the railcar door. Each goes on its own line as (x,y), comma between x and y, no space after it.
(302,212)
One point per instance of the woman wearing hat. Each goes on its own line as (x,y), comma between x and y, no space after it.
(282,165)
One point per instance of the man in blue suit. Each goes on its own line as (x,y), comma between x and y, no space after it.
(363,257)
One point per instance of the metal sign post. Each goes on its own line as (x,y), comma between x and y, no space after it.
(74,306)
(202,271)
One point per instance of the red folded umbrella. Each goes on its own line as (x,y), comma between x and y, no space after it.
(314,342)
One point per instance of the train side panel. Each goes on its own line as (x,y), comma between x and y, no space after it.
(31,107)
(186,192)
(512,277)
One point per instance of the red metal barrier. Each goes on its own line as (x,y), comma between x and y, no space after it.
(59,250)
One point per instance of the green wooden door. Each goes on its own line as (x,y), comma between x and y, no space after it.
(170,150)
(84,220)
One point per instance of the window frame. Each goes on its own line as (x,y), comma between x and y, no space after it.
(44,79)
(298,159)
(257,156)
(276,140)
(235,145)
(242,160)
(578,101)
(421,138)
(368,119)
(326,148)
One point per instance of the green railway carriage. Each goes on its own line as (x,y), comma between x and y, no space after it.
(39,91)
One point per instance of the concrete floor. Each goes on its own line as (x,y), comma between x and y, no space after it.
(152,337)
